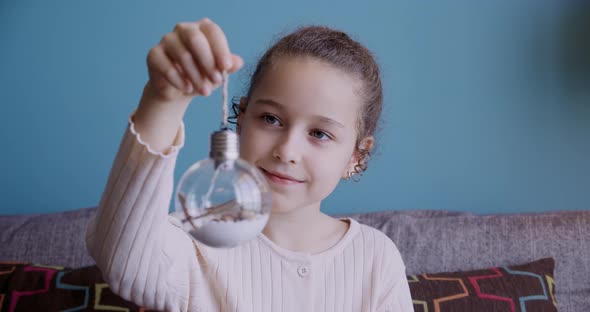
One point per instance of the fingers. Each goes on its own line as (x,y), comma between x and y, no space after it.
(198,45)
(237,63)
(209,47)
(190,87)
(192,57)
(219,45)
(178,53)
(158,61)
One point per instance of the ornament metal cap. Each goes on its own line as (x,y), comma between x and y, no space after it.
(224,145)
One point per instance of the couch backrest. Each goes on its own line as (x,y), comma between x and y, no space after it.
(438,241)
(429,241)
(51,239)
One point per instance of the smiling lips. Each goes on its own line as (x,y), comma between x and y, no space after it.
(280,178)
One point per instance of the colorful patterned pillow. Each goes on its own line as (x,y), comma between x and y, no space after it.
(32,287)
(527,287)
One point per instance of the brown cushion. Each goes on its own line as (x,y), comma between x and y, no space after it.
(30,287)
(527,287)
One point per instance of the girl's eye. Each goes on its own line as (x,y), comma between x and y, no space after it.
(270,119)
(321,135)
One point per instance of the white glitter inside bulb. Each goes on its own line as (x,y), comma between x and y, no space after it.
(225,234)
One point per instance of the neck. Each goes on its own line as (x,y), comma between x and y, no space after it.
(304,229)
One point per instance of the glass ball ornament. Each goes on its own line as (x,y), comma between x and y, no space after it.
(223,201)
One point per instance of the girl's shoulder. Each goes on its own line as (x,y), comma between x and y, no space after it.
(370,233)
(378,242)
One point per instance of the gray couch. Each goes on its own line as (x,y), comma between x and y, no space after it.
(430,241)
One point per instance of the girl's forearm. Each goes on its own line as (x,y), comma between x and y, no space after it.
(157,120)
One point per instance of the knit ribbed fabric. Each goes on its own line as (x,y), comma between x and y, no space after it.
(147,258)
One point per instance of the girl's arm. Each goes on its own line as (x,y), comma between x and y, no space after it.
(143,257)
(394,293)
(159,120)
(397,296)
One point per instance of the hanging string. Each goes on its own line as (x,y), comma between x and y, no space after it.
(224,107)
(205,198)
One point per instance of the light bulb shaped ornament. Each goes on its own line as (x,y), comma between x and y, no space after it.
(223,201)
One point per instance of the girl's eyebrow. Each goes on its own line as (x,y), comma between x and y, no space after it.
(270,103)
(330,121)
(279,106)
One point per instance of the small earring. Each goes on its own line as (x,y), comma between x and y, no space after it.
(357,175)
(351,175)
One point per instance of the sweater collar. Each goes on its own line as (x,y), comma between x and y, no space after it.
(337,248)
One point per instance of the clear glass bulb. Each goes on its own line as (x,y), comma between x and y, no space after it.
(223,201)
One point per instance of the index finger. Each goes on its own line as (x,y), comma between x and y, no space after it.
(219,45)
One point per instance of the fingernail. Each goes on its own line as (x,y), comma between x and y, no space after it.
(205,90)
(217,77)
(227,64)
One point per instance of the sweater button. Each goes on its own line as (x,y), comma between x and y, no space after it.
(303,271)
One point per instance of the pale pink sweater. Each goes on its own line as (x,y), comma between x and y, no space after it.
(145,257)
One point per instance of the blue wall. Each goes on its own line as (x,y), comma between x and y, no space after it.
(487,104)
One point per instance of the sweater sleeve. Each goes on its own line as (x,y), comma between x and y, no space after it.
(142,254)
(398,298)
(394,291)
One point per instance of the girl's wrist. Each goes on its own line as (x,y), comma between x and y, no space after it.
(158,120)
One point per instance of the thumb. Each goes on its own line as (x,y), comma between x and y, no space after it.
(237,63)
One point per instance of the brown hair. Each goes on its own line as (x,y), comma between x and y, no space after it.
(338,49)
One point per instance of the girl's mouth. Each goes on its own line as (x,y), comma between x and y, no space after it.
(280,178)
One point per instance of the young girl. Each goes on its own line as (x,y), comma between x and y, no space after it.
(307,121)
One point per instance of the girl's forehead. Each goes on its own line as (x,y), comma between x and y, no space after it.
(309,87)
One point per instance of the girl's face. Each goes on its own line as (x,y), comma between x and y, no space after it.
(300,123)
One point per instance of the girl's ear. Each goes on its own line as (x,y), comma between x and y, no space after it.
(242,110)
(366,145)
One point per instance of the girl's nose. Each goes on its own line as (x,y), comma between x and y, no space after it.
(288,149)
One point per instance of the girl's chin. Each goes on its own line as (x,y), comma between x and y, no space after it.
(286,206)
(281,209)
